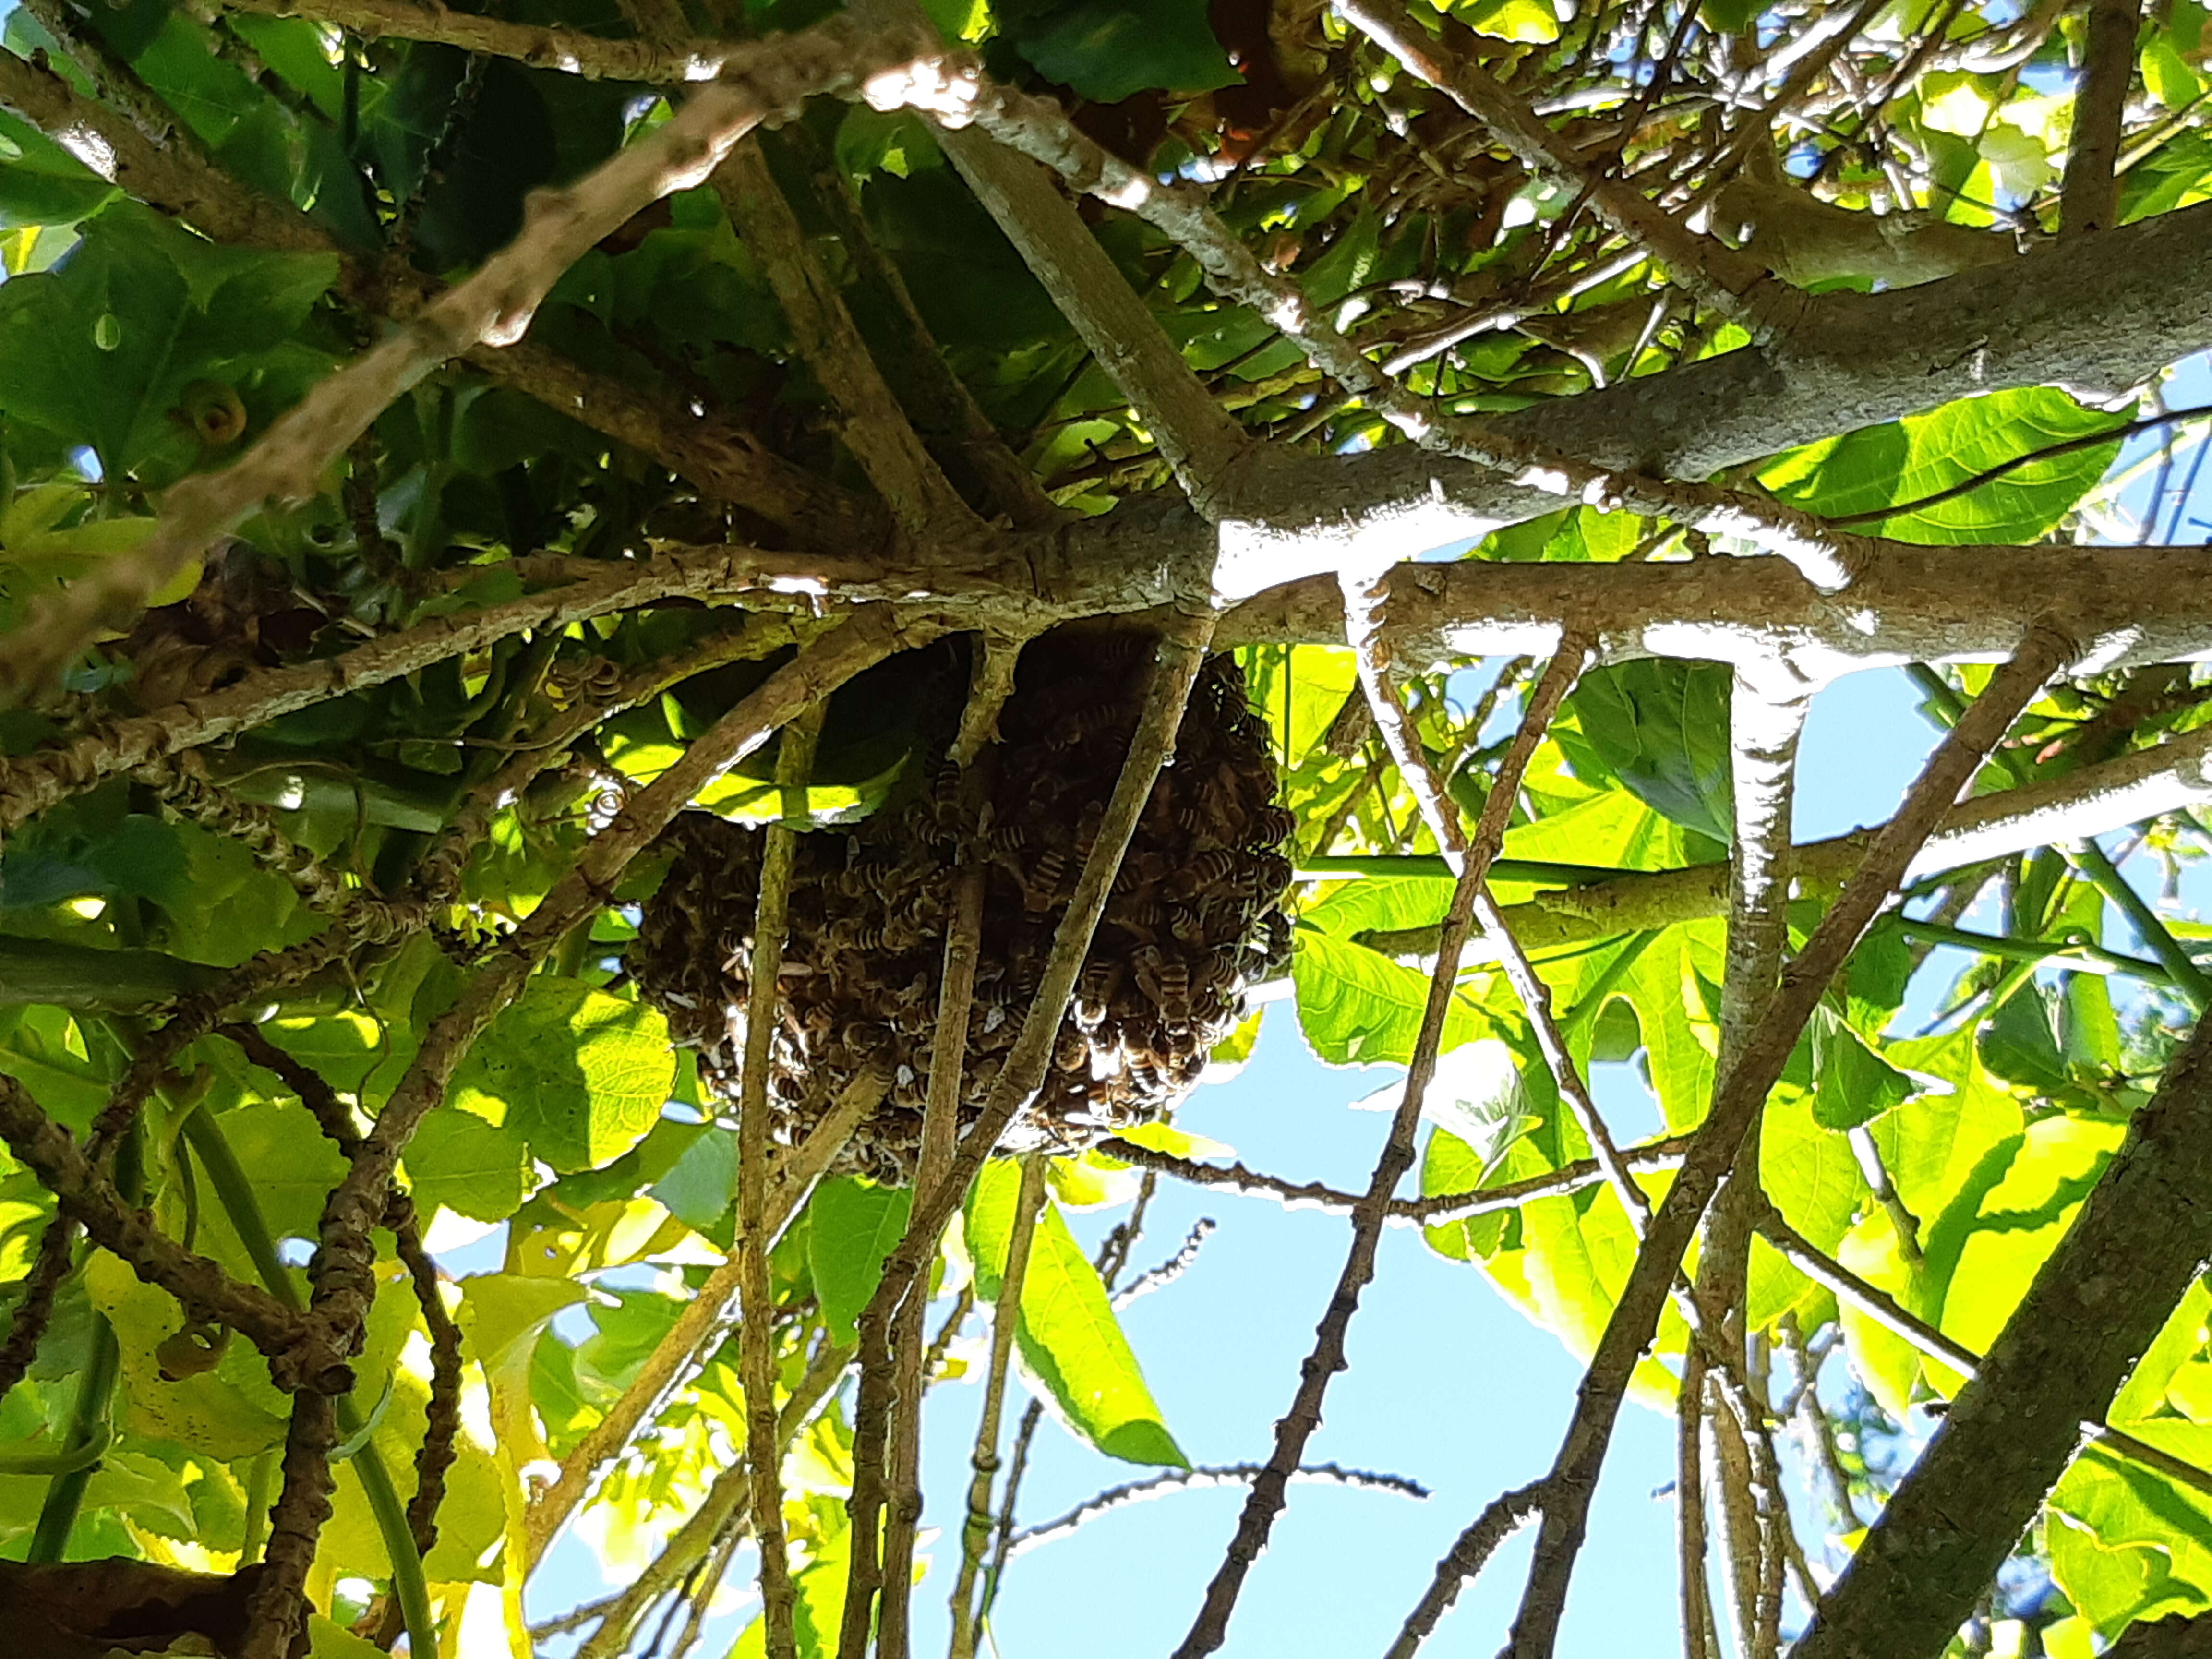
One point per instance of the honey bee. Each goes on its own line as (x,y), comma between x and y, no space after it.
(1165,979)
(1206,870)
(1042,885)
(1272,826)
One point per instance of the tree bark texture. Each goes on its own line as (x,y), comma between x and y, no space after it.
(2141,1237)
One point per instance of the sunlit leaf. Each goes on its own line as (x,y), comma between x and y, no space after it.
(579,1073)
(1069,1341)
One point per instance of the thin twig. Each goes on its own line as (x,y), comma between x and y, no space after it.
(1159,1278)
(1210,1629)
(975,1533)
(757,1340)
(1205,1478)
(1736,1104)
(1434,1211)
(1506,1515)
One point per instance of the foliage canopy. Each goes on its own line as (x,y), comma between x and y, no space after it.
(438,446)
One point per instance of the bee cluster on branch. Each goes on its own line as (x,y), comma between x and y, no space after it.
(1192,920)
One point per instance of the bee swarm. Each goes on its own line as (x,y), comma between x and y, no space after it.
(1192,920)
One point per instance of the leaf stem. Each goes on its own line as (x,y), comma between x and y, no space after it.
(2190,981)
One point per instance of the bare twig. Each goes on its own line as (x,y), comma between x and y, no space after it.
(757,1340)
(1166,1273)
(1210,1628)
(1893,1316)
(975,1533)
(34,1300)
(723,1510)
(1205,1478)
(1433,1211)
(699,1327)
(279,1616)
(940,1122)
(1201,442)
(1505,1516)
(1699,1638)
(1736,1104)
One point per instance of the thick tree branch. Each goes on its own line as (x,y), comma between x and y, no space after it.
(2100,318)
(2143,1235)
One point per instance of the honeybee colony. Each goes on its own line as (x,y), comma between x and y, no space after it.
(1193,919)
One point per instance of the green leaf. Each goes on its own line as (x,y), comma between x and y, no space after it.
(1529,21)
(328,1641)
(700,1188)
(1851,1084)
(1932,1146)
(1356,1006)
(1662,727)
(1674,988)
(2019,1222)
(41,183)
(2129,1543)
(102,348)
(1071,1346)
(1301,689)
(1809,1171)
(853,1226)
(474,1167)
(582,1074)
(293,1164)
(1923,454)
(1108,49)
(502,1313)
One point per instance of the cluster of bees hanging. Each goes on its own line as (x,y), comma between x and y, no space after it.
(1194,918)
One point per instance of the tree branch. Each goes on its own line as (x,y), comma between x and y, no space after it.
(1737,1102)
(495,305)
(2142,1236)
(2089,196)
(1434,1211)
(874,427)
(1204,1478)
(204,1289)
(756,1339)
(1210,1629)
(1201,442)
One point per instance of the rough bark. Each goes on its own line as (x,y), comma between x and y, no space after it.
(2141,1237)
